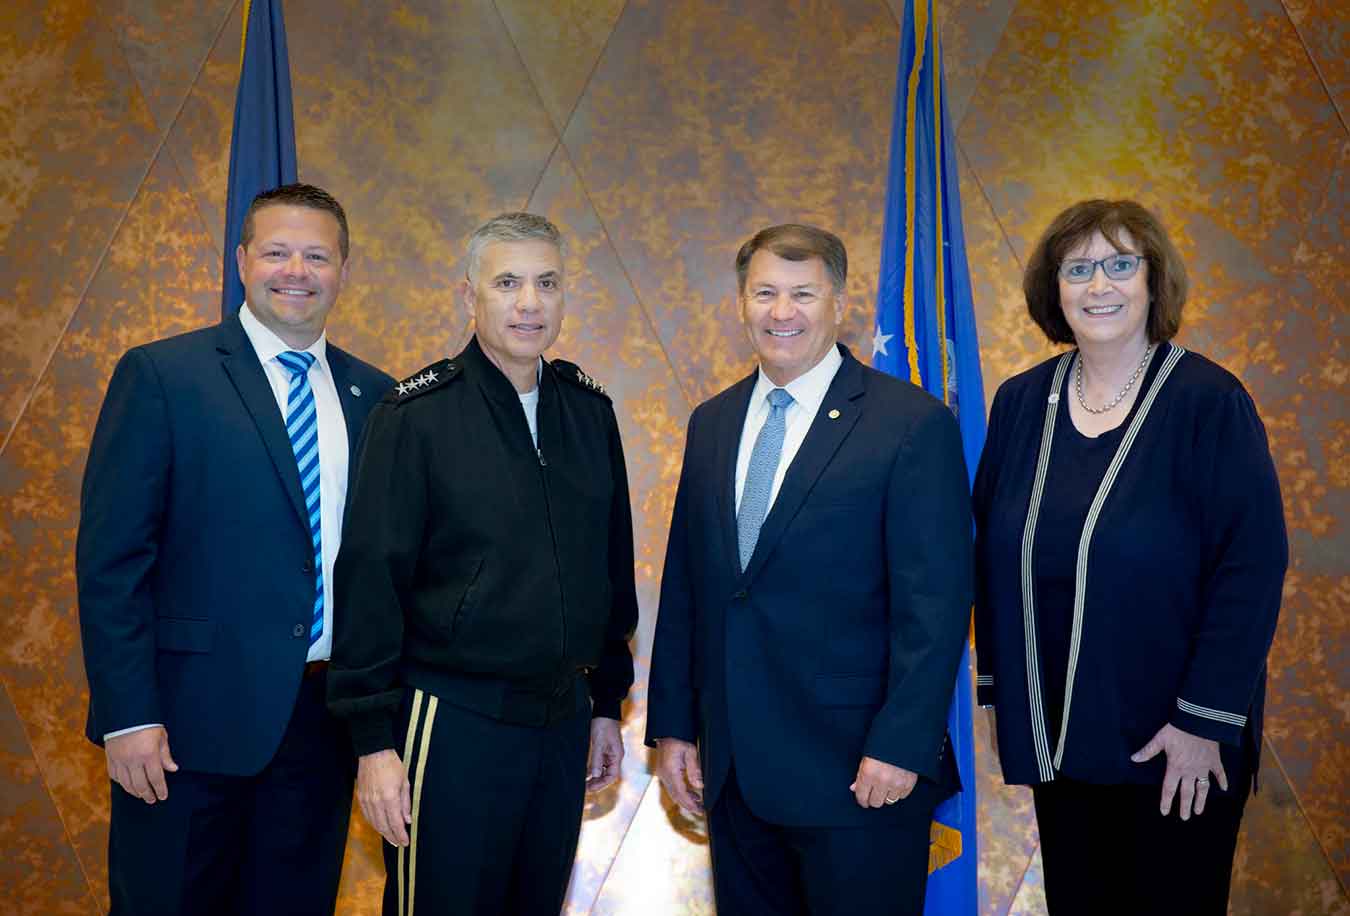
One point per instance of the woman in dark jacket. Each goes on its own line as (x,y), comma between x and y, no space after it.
(1131,553)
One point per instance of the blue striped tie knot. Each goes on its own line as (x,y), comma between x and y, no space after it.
(759,476)
(302,426)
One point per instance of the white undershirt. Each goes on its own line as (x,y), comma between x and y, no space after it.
(808,392)
(529,402)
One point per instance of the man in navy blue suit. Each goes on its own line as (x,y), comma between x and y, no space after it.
(817,588)
(211,515)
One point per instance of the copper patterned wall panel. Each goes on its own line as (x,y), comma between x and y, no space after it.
(701,125)
(971,30)
(40,873)
(1279,866)
(1030,899)
(165,43)
(692,122)
(156,280)
(75,143)
(1324,26)
(559,44)
(662,868)
(1005,827)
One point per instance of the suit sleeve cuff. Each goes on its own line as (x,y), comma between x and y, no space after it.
(607,708)
(1207,722)
(372,732)
(984,690)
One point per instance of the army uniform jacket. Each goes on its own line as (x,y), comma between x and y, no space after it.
(483,570)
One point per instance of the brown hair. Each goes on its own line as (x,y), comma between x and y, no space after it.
(1166,274)
(297,195)
(796,242)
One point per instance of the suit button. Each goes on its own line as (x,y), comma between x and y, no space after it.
(307,568)
(741,595)
(298,630)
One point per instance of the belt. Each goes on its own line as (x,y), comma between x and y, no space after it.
(316,667)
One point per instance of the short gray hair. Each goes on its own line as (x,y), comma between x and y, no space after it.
(511,227)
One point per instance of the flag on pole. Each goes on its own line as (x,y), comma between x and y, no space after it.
(262,147)
(925,332)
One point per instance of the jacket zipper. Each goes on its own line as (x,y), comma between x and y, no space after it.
(557,566)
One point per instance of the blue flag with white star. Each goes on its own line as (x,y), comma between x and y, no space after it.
(925,332)
(262,146)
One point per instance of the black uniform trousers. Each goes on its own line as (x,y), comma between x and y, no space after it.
(496,810)
(764,869)
(257,845)
(1108,851)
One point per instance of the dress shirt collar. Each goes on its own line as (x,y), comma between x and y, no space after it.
(807,389)
(267,344)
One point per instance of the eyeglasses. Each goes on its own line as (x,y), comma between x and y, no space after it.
(1118,266)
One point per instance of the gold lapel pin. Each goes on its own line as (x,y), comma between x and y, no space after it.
(834,414)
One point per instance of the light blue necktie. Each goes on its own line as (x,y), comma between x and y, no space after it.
(302,425)
(764,459)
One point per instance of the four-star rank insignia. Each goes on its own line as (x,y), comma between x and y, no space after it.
(433,376)
(573,373)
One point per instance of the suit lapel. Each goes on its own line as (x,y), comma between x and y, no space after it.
(352,403)
(240,363)
(727,435)
(838,414)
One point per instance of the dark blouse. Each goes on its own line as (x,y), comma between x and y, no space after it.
(1183,573)
(1077,465)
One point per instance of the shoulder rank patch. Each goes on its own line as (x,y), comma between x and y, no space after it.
(433,376)
(572,372)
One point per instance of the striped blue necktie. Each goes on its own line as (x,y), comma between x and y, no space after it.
(764,459)
(302,425)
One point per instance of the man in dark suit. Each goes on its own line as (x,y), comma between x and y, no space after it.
(210,519)
(817,588)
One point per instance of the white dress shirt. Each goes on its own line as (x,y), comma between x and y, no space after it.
(808,391)
(332,449)
(332,460)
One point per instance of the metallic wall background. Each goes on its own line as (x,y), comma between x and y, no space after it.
(660,134)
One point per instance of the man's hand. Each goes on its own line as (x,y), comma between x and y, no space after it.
(679,771)
(606,754)
(1190,760)
(880,783)
(137,761)
(384,793)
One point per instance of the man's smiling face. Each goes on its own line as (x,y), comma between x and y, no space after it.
(292,270)
(791,312)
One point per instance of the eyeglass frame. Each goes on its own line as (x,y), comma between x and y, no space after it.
(1101,262)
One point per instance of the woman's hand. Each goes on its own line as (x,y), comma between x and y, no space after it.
(1190,760)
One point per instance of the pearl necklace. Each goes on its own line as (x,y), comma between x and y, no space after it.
(1078,383)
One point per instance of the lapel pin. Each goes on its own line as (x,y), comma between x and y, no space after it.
(356,392)
(1054,397)
(834,414)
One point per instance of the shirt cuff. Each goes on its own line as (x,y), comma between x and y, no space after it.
(135,728)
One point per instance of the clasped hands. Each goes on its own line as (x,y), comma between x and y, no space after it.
(877,783)
(385,794)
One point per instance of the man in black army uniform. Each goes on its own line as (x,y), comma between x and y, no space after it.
(488,568)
